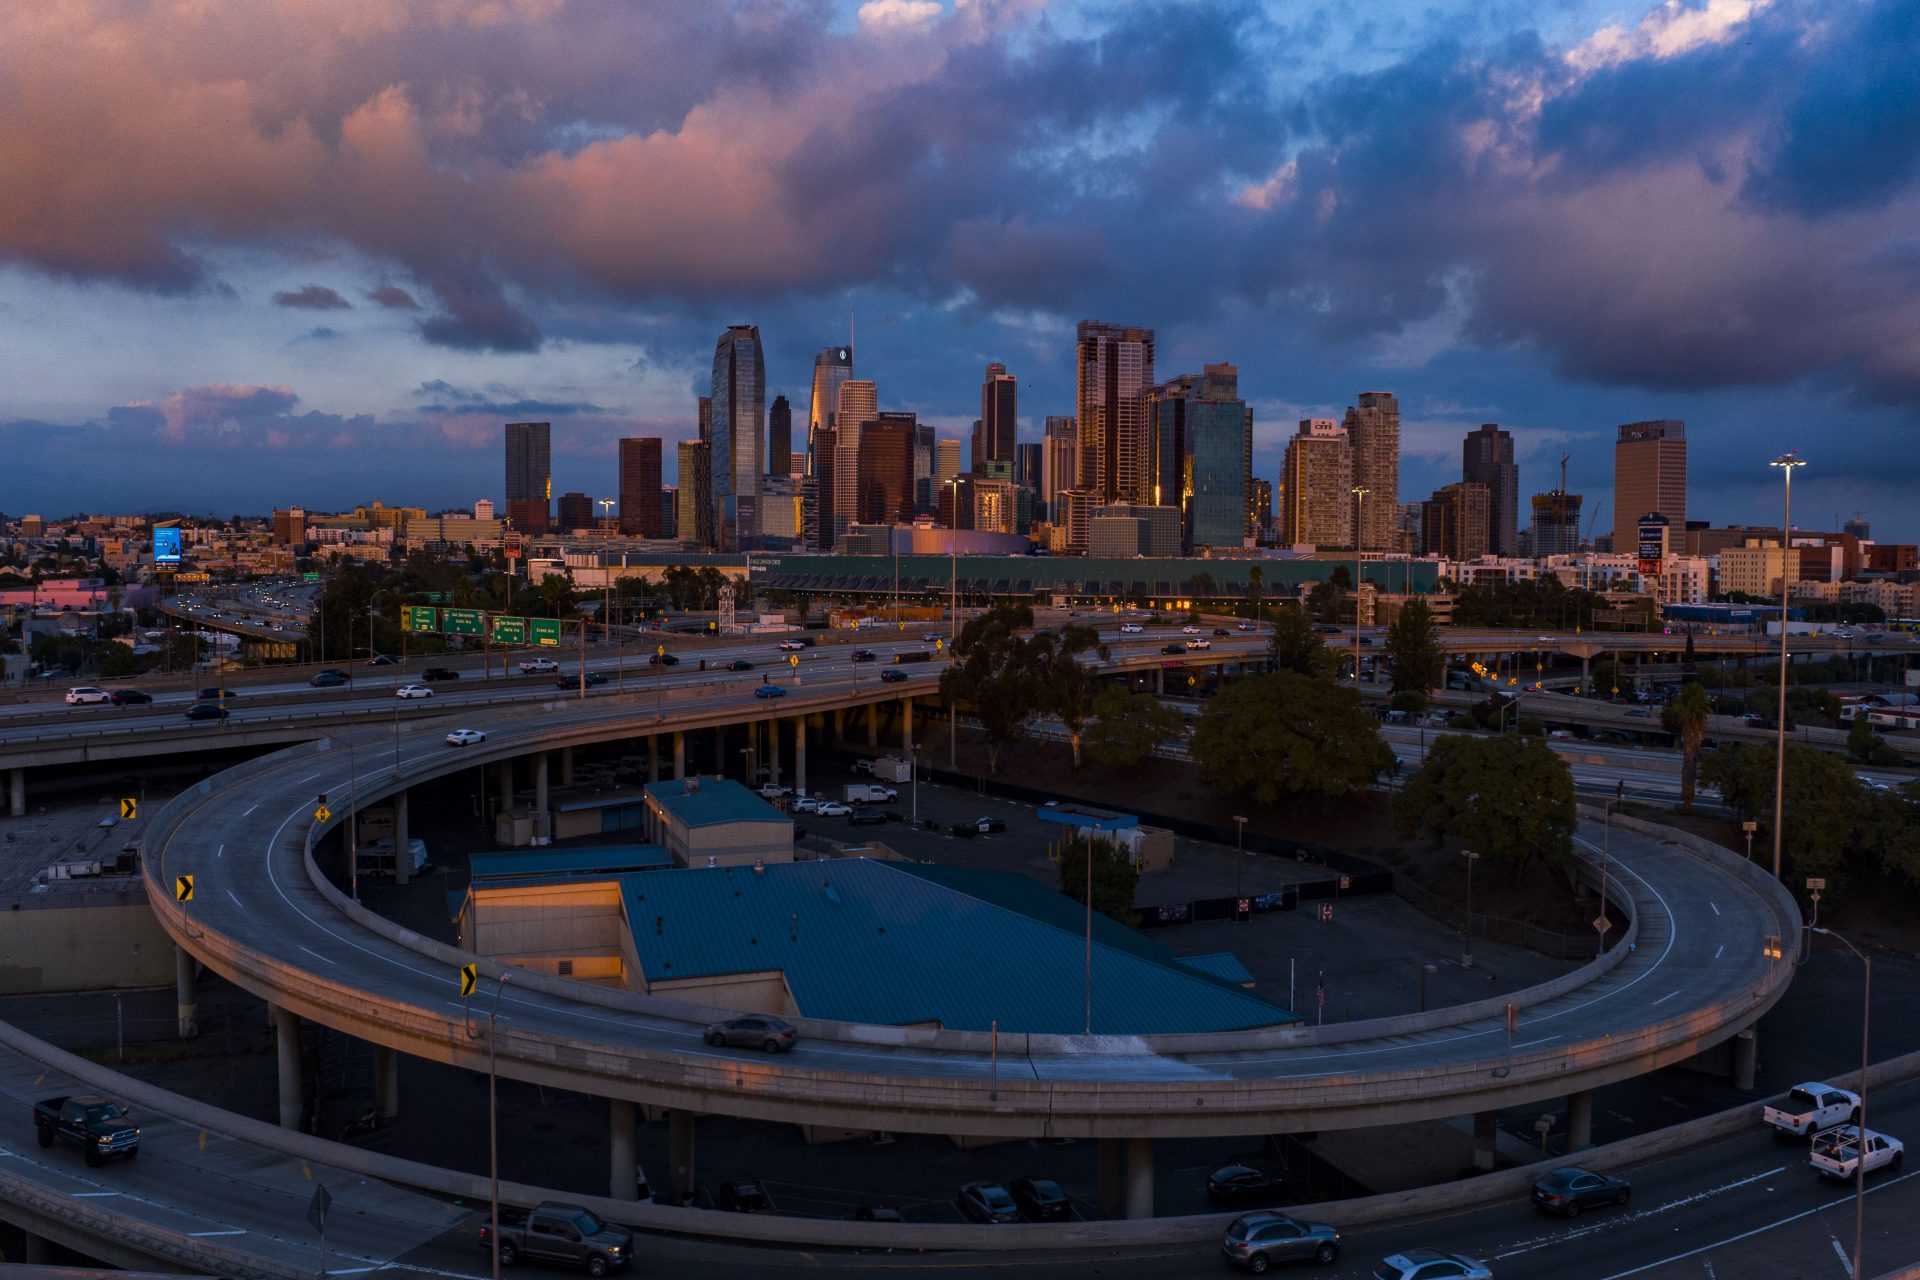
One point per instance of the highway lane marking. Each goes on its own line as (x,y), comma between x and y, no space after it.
(233,1231)
(91,1195)
(1714,905)
(1717,950)
(236,900)
(317,956)
(1529,1044)
(249,812)
(1670,995)
(221,852)
(1748,1235)
(1840,1251)
(1617,1222)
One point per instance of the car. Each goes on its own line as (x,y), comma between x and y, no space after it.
(130,697)
(878,1211)
(465,738)
(893,675)
(988,1202)
(383,660)
(1366,640)
(1241,1184)
(573,681)
(328,679)
(739,664)
(1199,644)
(1258,1240)
(1131,628)
(754,1031)
(413,691)
(1189,630)
(83,694)
(216,695)
(1041,1199)
(1221,631)
(1243,626)
(206,711)
(663,660)
(865,655)
(862,816)
(1431,1264)
(806,804)
(432,674)
(933,637)
(834,809)
(1568,1191)
(770,691)
(986,826)
(1326,629)
(742,1195)
(1175,647)
(792,646)
(1548,639)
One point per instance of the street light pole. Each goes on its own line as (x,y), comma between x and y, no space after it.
(493,1122)
(1239,862)
(1471,857)
(1860,1125)
(1606,855)
(1359,511)
(1786,462)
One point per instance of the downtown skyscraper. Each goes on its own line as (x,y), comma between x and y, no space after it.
(995,430)
(1114,364)
(1486,457)
(1373,430)
(1649,477)
(530,475)
(859,404)
(831,368)
(640,486)
(739,417)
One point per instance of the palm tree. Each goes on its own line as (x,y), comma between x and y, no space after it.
(1687,716)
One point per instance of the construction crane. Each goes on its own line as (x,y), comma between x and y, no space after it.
(1563,471)
(1598,504)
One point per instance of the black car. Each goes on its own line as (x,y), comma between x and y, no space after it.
(573,681)
(865,655)
(1240,1184)
(1221,631)
(1568,1191)
(663,660)
(893,675)
(742,1195)
(206,711)
(129,698)
(215,695)
(987,826)
(432,674)
(1041,1199)
(1173,648)
(328,679)
(864,817)
(739,664)
(988,1202)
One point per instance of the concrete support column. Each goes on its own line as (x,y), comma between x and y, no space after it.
(386,1081)
(184,999)
(1139,1177)
(503,779)
(800,755)
(566,766)
(540,793)
(873,724)
(773,751)
(839,725)
(1579,1121)
(1484,1131)
(653,757)
(1113,1177)
(680,1154)
(402,863)
(35,1251)
(17,792)
(623,1181)
(1160,681)
(286,1035)
(906,727)
(679,753)
(720,750)
(1746,1054)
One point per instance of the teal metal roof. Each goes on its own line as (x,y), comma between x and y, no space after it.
(595,800)
(716,800)
(1223,965)
(888,943)
(596,860)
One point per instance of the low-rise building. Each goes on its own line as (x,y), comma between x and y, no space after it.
(716,822)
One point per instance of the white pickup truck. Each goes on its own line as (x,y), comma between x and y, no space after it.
(1836,1152)
(539,666)
(1806,1109)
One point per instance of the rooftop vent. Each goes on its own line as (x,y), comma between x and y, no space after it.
(759,866)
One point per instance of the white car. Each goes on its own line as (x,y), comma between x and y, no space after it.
(1189,630)
(87,693)
(465,738)
(807,804)
(413,691)
(1243,626)
(791,646)
(1131,628)
(1199,644)
(833,809)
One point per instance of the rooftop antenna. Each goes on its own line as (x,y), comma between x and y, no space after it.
(849,341)
(1563,471)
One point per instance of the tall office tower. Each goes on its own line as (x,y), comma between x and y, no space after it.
(693,513)
(1164,411)
(818,533)
(1454,521)
(706,419)
(780,438)
(1196,431)
(1373,429)
(1649,475)
(1259,508)
(924,447)
(995,429)
(886,468)
(1486,457)
(1059,460)
(946,458)
(1114,365)
(1316,507)
(640,486)
(1857,528)
(831,368)
(576,512)
(669,511)
(739,418)
(1027,467)
(529,475)
(859,405)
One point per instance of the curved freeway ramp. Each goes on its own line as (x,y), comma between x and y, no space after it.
(1689,972)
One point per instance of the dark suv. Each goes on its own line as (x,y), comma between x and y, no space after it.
(432,674)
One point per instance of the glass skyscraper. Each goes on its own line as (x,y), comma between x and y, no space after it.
(831,368)
(739,418)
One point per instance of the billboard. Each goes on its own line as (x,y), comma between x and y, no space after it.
(1653,544)
(166,544)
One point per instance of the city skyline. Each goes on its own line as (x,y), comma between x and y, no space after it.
(234,343)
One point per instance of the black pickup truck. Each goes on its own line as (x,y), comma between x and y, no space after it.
(563,1233)
(99,1126)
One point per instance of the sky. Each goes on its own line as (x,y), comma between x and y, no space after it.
(256,253)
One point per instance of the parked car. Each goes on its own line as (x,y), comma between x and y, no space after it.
(742,1195)
(1431,1264)
(834,809)
(663,660)
(1568,1191)
(865,817)
(383,660)
(563,1233)
(774,790)
(328,679)
(754,1031)
(1239,1184)
(739,664)
(130,698)
(206,711)
(573,681)
(987,826)
(1258,1240)
(806,804)
(99,1126)
(770,691)
(465,738)
(413,691)
(1041,1199)
(879,1211)
(893,675)
(865,655)
(988,1202)
(431,674)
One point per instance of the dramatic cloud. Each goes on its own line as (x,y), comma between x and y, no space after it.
(393,298)
(313,297)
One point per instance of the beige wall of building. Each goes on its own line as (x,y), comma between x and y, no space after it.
(1757,570)
(92,948)
(567,930)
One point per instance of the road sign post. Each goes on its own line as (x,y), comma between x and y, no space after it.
(469,978)
(129,808)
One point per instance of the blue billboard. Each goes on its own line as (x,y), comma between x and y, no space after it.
(166,545)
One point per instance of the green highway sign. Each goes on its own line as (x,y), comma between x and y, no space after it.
(438,597)
(546,631)
(310,576)
(419,617)
(463,622)
(507,630)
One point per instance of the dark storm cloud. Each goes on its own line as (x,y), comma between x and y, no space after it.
(496,401)
(393,298)
(313,297)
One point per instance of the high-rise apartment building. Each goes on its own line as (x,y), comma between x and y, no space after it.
(1373,430)
(1316,479)
(693,512)
(995,430)
(640,486)
(859,405)
(1649,476)
(886,468)
(831,368)
(1454,521)
(780,438)
(1259,508)
(739,418)
(1486,457)
(1114,364)
(529,475)
(1059,460)
(1027,468)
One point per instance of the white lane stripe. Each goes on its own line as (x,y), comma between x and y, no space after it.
(89,1195)
(1635,1216)
(1529,1044)
(1840,1251)
(317,956)
(249,812)
(236,901)
(1670,995)
(1718,950)
(221,852)
(1714,905)
(236,1231)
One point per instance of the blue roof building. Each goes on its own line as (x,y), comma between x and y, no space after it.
(716,822)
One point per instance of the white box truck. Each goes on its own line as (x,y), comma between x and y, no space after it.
(870,793)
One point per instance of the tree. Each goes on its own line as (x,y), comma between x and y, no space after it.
(1326,599)
(1413,649)
(1824,804)
(994,671)
(1686,718)
(1288,736)
(1067,687)
(1128,725)
(1861,739)
(1254,580)
(1295,646)
(1509,799)
(1115,877)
